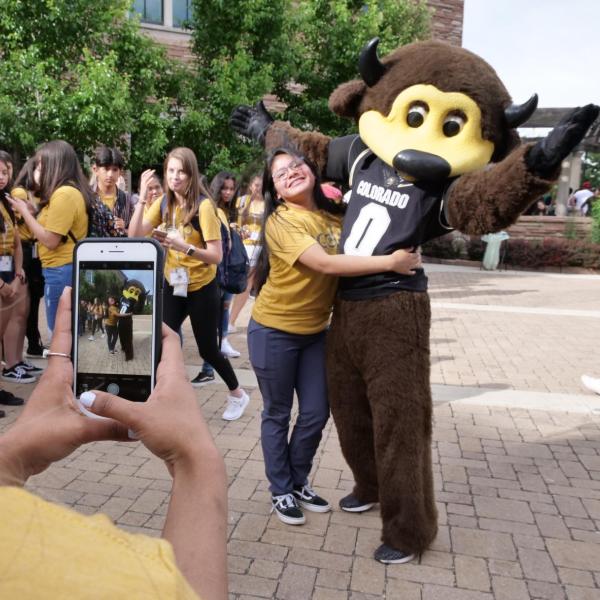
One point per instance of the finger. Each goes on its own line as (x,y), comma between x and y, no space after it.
(61,339)
(172,355)
(113,407)
(96,430)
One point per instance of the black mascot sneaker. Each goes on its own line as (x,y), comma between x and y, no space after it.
(351,503)
(390,556)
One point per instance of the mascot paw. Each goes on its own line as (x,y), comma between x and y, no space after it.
(251,122)
(545,157)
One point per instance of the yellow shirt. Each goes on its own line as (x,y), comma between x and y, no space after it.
(65,212)
(294,298)
(48,551)
(252,221)
(199,273)
(7,237)
(112,318)
(24,232)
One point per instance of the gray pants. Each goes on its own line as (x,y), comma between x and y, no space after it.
(284,363)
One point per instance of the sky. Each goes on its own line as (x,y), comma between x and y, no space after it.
(548,47)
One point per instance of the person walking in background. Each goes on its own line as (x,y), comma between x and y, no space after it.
(222,188)
(579,201)
(63,218)
(250,211)
(296,282)
(191,233)
(97,316)
(108,170)
(111,324)
(26,189)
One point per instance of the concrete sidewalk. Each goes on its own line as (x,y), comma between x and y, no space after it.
(516,461)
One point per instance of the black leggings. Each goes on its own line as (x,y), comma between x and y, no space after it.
(203,308)
(97,324)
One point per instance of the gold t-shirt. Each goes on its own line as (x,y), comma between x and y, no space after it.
(199,273)
(112,318)
(108,200)
(48,551)
(252,221)
(65,212)
(294,298)
(24,232)
(7,237)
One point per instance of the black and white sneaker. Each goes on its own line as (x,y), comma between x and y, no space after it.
(287,509)
(35,352)
(31,369)
(202,379)
(351,503)
(310,500)
(390,556)
(9,399)
(17,374)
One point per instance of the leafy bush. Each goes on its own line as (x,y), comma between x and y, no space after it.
(441,247)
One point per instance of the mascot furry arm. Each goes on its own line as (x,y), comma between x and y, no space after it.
(436,115)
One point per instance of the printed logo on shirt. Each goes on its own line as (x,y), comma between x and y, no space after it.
(328,239)
(382,195)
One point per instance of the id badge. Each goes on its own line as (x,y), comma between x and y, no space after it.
(6,263)
(179,276)
(254,236)
(34,251)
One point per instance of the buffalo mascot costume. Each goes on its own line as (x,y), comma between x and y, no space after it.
(132,300)
(436,150)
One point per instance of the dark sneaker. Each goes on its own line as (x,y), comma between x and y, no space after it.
(202,379)
(287,509)
(9,399)
(351,503)
(17,374)
(390,556)
(31,369)
(308,499)
(35,352)
(2,414)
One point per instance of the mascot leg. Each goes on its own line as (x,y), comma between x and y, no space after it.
(126,336)
(351,412)
(388,340)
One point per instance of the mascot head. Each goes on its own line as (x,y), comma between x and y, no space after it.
(431,110)
(135,293)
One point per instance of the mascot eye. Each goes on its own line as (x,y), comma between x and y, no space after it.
(453,124)
(416,114)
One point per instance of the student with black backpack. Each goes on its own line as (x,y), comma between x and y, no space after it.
(187,225)
(65,198)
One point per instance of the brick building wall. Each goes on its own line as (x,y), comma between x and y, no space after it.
(447,20)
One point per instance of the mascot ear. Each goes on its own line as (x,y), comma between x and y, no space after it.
(346,98)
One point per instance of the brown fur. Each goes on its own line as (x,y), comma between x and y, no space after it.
(312,145)
(381,402)
(450,69)
(493,199)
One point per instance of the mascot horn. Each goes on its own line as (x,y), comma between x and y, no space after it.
(436,150)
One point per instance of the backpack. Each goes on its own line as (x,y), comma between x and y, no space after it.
(232,271)
(100,222)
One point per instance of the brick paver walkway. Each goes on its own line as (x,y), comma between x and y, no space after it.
(516,451)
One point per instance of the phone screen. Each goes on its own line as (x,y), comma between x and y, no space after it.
(115,318)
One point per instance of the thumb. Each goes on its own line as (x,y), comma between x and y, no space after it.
(113,407)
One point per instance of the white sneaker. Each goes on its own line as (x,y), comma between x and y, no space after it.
(236,407)
(232,328)
(591,383)
(228,350)
(103,336)
(91,338)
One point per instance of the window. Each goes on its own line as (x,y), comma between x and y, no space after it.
(150,11)
(182,12)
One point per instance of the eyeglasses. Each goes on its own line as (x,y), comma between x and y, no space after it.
(282,173)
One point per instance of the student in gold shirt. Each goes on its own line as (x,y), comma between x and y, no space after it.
(49,551)
(185,221)
(296,279)
(63,218)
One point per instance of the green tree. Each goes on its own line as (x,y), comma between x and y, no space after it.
(591,168)
(80,70)
(299,50)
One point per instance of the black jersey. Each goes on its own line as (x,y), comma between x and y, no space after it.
(385,213)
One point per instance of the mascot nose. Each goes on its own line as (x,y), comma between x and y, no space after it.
(421,166)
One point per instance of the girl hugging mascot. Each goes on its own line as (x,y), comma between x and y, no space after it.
(436,150)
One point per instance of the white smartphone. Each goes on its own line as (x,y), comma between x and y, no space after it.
(117,316)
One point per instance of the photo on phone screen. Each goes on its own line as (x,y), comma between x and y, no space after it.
(116,321)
